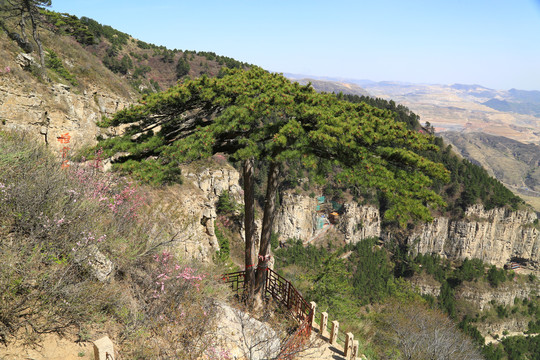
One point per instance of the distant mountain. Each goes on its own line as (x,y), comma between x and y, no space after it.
(532,96)
(469,108)
(467,87)
(518,101)
(334,87)
(360,82)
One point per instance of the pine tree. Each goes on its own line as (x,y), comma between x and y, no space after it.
(27,10)
(258,115)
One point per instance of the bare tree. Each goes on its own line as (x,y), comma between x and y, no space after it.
(421,333)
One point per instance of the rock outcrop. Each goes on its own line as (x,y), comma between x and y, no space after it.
(54,110)
(297,218)
(481,294)
(495,236)
(359,222)
(189,211)
(244,336)
(504,294)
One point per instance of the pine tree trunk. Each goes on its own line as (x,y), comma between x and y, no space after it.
(249,225)
(266,233)
(33,13)
(22,25)
(35,35)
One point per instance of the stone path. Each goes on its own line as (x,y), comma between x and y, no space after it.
(320,348)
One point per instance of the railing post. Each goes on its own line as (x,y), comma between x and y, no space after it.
(349,338)
(104,349)
(313,312)
(324,322)
(266,280)
(355,347)
(334,333)
(288,302)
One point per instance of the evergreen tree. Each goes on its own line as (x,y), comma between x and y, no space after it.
(258,115)
(27,10)
(182,68)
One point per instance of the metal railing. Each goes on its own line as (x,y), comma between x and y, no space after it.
(282,291)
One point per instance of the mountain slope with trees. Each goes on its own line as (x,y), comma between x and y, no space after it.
(371,149)
(515,164)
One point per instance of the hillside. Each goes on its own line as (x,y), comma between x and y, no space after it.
(515,164)
(85,252)
(146,67)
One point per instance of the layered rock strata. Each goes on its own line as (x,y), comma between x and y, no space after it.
(495,236)
(53,111)
(298,218)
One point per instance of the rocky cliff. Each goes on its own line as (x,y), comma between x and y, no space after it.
(298,218)
(189,210)
(495,236)
(53,110)
(359,222)
(504,294)
(482,295)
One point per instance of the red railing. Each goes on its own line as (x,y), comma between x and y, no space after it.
(282,291)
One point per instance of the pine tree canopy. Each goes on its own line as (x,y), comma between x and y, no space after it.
(261,115)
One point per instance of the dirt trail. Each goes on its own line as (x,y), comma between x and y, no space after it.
(51,347)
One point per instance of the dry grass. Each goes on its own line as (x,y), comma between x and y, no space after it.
(153,305)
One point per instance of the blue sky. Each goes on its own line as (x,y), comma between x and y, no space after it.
(495,43)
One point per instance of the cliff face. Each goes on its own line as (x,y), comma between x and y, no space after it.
(189,210)
(504,294)
(481,296)
(51,111)
(359,222)
(496,236)
(297,218)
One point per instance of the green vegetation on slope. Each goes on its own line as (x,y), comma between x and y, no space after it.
(469,182)
(147,66)
(364,287)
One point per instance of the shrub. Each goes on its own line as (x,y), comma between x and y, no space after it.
(182,68)
(224,244)
(226,204)
(496,276)
(51,217)
(54,63)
